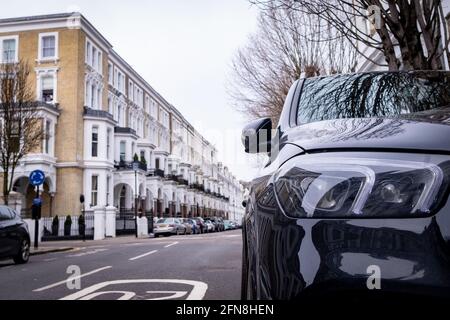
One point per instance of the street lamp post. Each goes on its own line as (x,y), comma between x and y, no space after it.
(135,168)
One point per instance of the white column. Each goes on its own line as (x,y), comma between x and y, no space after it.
(99,223)
(110,227)
(142,227)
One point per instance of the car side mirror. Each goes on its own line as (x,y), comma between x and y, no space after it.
(257,136)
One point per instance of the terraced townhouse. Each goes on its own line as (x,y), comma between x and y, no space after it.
(99,115)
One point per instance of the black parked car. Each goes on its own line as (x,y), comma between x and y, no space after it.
(354,197)
(14,236)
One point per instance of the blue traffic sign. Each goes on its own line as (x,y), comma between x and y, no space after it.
(37,178)
(37,202)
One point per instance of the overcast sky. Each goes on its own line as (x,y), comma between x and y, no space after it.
(182,48)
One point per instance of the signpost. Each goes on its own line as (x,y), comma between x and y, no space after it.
(135,168)
(36,179)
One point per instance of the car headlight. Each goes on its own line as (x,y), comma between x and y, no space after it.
(333,187)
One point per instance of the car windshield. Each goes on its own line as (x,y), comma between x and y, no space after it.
(372,95)
(165,221)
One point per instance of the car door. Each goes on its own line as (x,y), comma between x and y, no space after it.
(6,231)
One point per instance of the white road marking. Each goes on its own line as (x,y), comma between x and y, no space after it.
(198,292)
(86,253)
(172,244)
(50,259)
(71,279)
(143,255)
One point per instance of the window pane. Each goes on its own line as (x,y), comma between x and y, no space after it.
(372,95)
(122,151)
(9,50)
(5,214)
(94,142)
(48,46)
(94,188)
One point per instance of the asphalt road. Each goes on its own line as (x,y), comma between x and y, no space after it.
(178,267)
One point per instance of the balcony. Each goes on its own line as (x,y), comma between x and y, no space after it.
(98,113)
(156,173)
(129,165)
(124,130)
(198,187)
(178,179)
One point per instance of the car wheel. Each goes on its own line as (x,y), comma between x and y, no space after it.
(24,253)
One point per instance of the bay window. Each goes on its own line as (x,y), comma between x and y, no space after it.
(94,191)
(94,149)
(123,149)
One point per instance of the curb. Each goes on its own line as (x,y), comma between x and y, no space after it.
(38,253)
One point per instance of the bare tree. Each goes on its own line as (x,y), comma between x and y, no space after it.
(20,125)
(411,34)
(288,44)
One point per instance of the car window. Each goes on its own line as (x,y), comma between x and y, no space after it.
(373,94)
(5,214)
(160,221)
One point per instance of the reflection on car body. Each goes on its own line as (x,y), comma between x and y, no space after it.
(358,176)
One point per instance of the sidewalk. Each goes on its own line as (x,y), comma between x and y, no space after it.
(48,249)
(68,245)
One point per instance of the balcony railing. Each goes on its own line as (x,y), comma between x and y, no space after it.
(178,179)
(129,165)
(198,187)
(124,130)
(156,173)
(98,113)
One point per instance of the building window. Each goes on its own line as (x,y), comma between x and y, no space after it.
(94,142)
(108,184)
(93,98)
(9,49)
(143,160)
(47,89)
(108,144)
(110,74)
(88,52)
(48,46)
(99,65)
(110,106)
(47,137)
(123,147)
(94,191)
(157,166)
(130,91)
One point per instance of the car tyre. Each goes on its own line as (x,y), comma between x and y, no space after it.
(24,253)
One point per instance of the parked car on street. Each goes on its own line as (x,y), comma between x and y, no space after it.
(14,236)
(187,224)
(228,225)
(195,227)
(220,224)
(169,226)
(209,226)
(201,224)
(356,183)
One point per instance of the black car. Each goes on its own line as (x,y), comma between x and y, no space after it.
(14,236)
(354,198)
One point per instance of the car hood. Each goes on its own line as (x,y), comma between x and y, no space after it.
(428,131)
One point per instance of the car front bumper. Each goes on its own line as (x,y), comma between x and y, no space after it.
(300,257)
